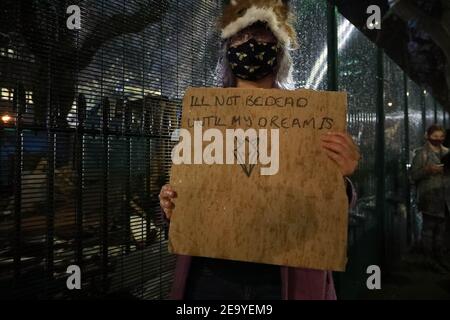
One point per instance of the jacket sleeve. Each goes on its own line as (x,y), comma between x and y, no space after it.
(418,167)
(163,222)
(351,193)
(163,217)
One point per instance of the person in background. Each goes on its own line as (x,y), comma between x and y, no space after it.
(433,193)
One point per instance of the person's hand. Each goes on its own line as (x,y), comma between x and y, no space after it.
(166,195)
(341,148)
(434,169)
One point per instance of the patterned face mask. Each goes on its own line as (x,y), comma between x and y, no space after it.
(253,60)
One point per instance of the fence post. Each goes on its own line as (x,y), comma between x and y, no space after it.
(409,218)
(332,85)
(379,161)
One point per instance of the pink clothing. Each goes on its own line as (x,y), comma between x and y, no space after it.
(296,283)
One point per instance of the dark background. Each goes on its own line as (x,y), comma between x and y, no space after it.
(87,145)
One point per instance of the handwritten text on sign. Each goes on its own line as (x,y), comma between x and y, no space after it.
(294,212)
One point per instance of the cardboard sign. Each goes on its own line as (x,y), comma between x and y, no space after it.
(237,201)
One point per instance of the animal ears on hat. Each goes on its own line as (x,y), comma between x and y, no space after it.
(239,14)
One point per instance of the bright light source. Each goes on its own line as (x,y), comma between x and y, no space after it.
(6,118)
(319,71)
(5,94)
(424,91)
(390,104)
(407,94)
(29,97)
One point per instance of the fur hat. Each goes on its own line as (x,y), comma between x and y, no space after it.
(239,14)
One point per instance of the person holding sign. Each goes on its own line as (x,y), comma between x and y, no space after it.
(257,39)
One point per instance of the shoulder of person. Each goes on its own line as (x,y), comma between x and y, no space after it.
(418,150)
(445,149)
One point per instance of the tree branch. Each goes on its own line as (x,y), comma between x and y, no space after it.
(119,24)
(407,10)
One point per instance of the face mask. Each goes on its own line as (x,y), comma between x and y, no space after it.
(253,60)
(435,142)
